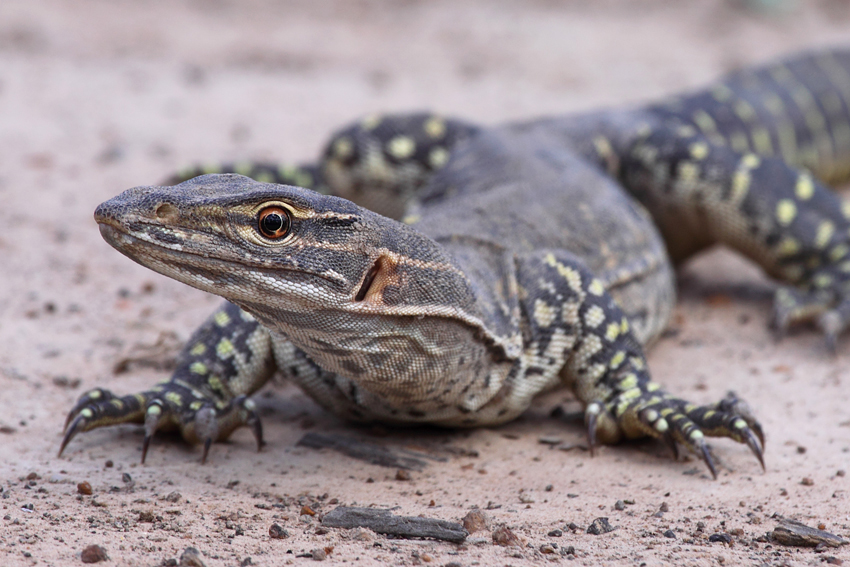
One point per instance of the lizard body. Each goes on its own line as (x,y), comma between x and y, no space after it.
(531,255)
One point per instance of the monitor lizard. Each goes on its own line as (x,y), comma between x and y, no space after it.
(527,256)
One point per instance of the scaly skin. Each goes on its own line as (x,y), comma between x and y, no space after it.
(527,260)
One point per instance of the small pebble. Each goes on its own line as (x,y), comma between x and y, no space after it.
(474,521)
(191,557)
(318,554)
(84,488)
(109,464)
(807,481)
(505,537)
(307,510)
(670,534)
(722,538)
(600,526)
(93,554)
(276,531)
(555,533)
(402,474)
(619,505)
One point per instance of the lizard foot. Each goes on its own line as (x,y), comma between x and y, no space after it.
(170,406)
(792,305)
(674,421)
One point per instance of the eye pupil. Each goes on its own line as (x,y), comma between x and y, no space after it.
(274,222)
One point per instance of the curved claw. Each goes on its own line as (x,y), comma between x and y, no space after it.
(831,325)
(153,416)
(706,457)
(755,447)
(206,428)
(253,421)
(77,425)
(670,441)
(591,421)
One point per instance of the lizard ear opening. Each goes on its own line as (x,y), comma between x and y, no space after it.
(369,279)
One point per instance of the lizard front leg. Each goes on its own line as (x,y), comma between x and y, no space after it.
(226,360)
(576,328)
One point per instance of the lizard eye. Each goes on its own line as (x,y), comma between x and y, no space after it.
(274,222)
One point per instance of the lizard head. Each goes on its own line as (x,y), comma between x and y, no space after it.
(315,268)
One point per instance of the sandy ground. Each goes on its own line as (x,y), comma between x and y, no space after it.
(99,96)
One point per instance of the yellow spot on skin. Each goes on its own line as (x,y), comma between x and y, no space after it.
(721,93)
(224,348)
(198,349)
(411,219)
(825,231)
(744,110)
(544,313)
(438,157)
(740,185)
(709,414)
(696,435)
(343,148)
(612,331)
(401,147)
(750,161)
(571,275)
(594,317)
(198,368)
(788,246)
(699,150)
(596,287)
(87,413)
(661,425)
(435,127)
(838,252)
(371,122)
(688,171)
(638,363)
(628,382)
(222,319)
(739,424)
(117,403)
(195,406)
(823,281)
(845,209)
(174,398)
(215,383)
(762,141)
(704,121)
(154,409)
(786,210)
(603,146)
(617,360)
(94,394)
(624,326)
(805,187)
(686,131)
(653,386)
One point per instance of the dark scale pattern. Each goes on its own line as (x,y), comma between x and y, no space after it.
(524,260)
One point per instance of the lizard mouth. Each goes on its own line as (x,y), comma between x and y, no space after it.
(165,253)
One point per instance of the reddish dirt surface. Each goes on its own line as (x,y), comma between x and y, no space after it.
(97,96)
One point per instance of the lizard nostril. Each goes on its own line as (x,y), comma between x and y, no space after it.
(166,211)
